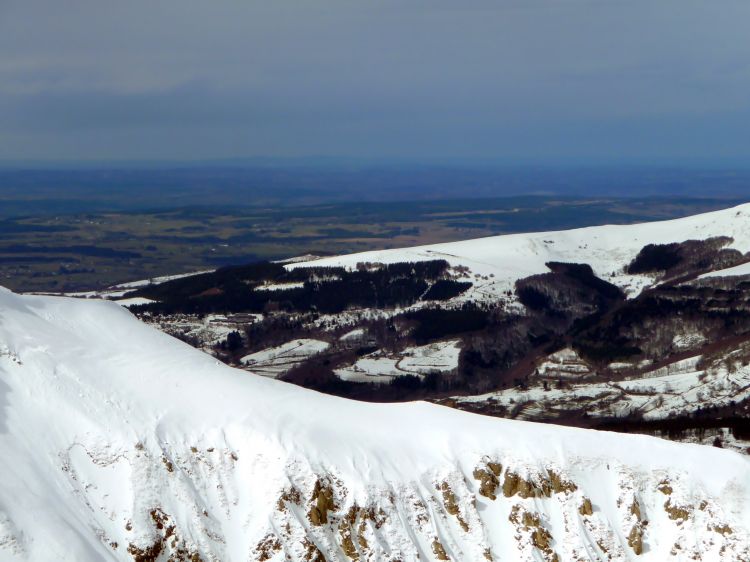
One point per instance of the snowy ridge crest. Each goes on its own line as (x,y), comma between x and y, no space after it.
(122,443)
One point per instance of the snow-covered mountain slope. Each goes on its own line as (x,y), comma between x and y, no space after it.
(121,443)
(662,393)
(495,263)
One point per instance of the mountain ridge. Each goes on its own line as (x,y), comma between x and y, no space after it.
(116,434)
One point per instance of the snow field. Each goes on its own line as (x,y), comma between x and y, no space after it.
(275,361)
(439,357)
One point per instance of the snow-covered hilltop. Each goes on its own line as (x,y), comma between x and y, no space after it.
(496,262)
(121,443)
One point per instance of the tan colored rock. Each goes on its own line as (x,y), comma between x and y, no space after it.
(488,479)
(439,550)
(322,497)
(676,512)
(635,539)
(559,484)
(267,547)
(635,509)
(664,487)
(586,508)
(451,505)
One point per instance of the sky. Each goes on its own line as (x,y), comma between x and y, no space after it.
(539,81)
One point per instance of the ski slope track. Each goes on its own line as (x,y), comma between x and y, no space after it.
(121,443)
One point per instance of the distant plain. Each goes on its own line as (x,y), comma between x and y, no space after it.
(115,226)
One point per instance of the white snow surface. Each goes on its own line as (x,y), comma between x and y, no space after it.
(379,366)
(736,271)
(133,301)
(672,390)
(280,286)
(564,363)
(500,260)
(354,334)
(108,426)
(275,361)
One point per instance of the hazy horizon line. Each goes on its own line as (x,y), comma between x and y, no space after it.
(320,161)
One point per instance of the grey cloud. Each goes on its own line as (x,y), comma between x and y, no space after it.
(535,79)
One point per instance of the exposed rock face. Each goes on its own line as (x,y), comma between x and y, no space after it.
(439,550)
(165,542)
(635,538)
(586,507)
(358,533)
(542,486)
(488,479)
(322,499)
(316,517)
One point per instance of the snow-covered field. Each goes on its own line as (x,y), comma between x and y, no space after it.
(736,271)
(133,301)
(564,364)
(438,357)
(119,443)
(495,263)
(671,390)
(275,361)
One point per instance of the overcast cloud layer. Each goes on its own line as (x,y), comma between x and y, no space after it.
(533,80)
